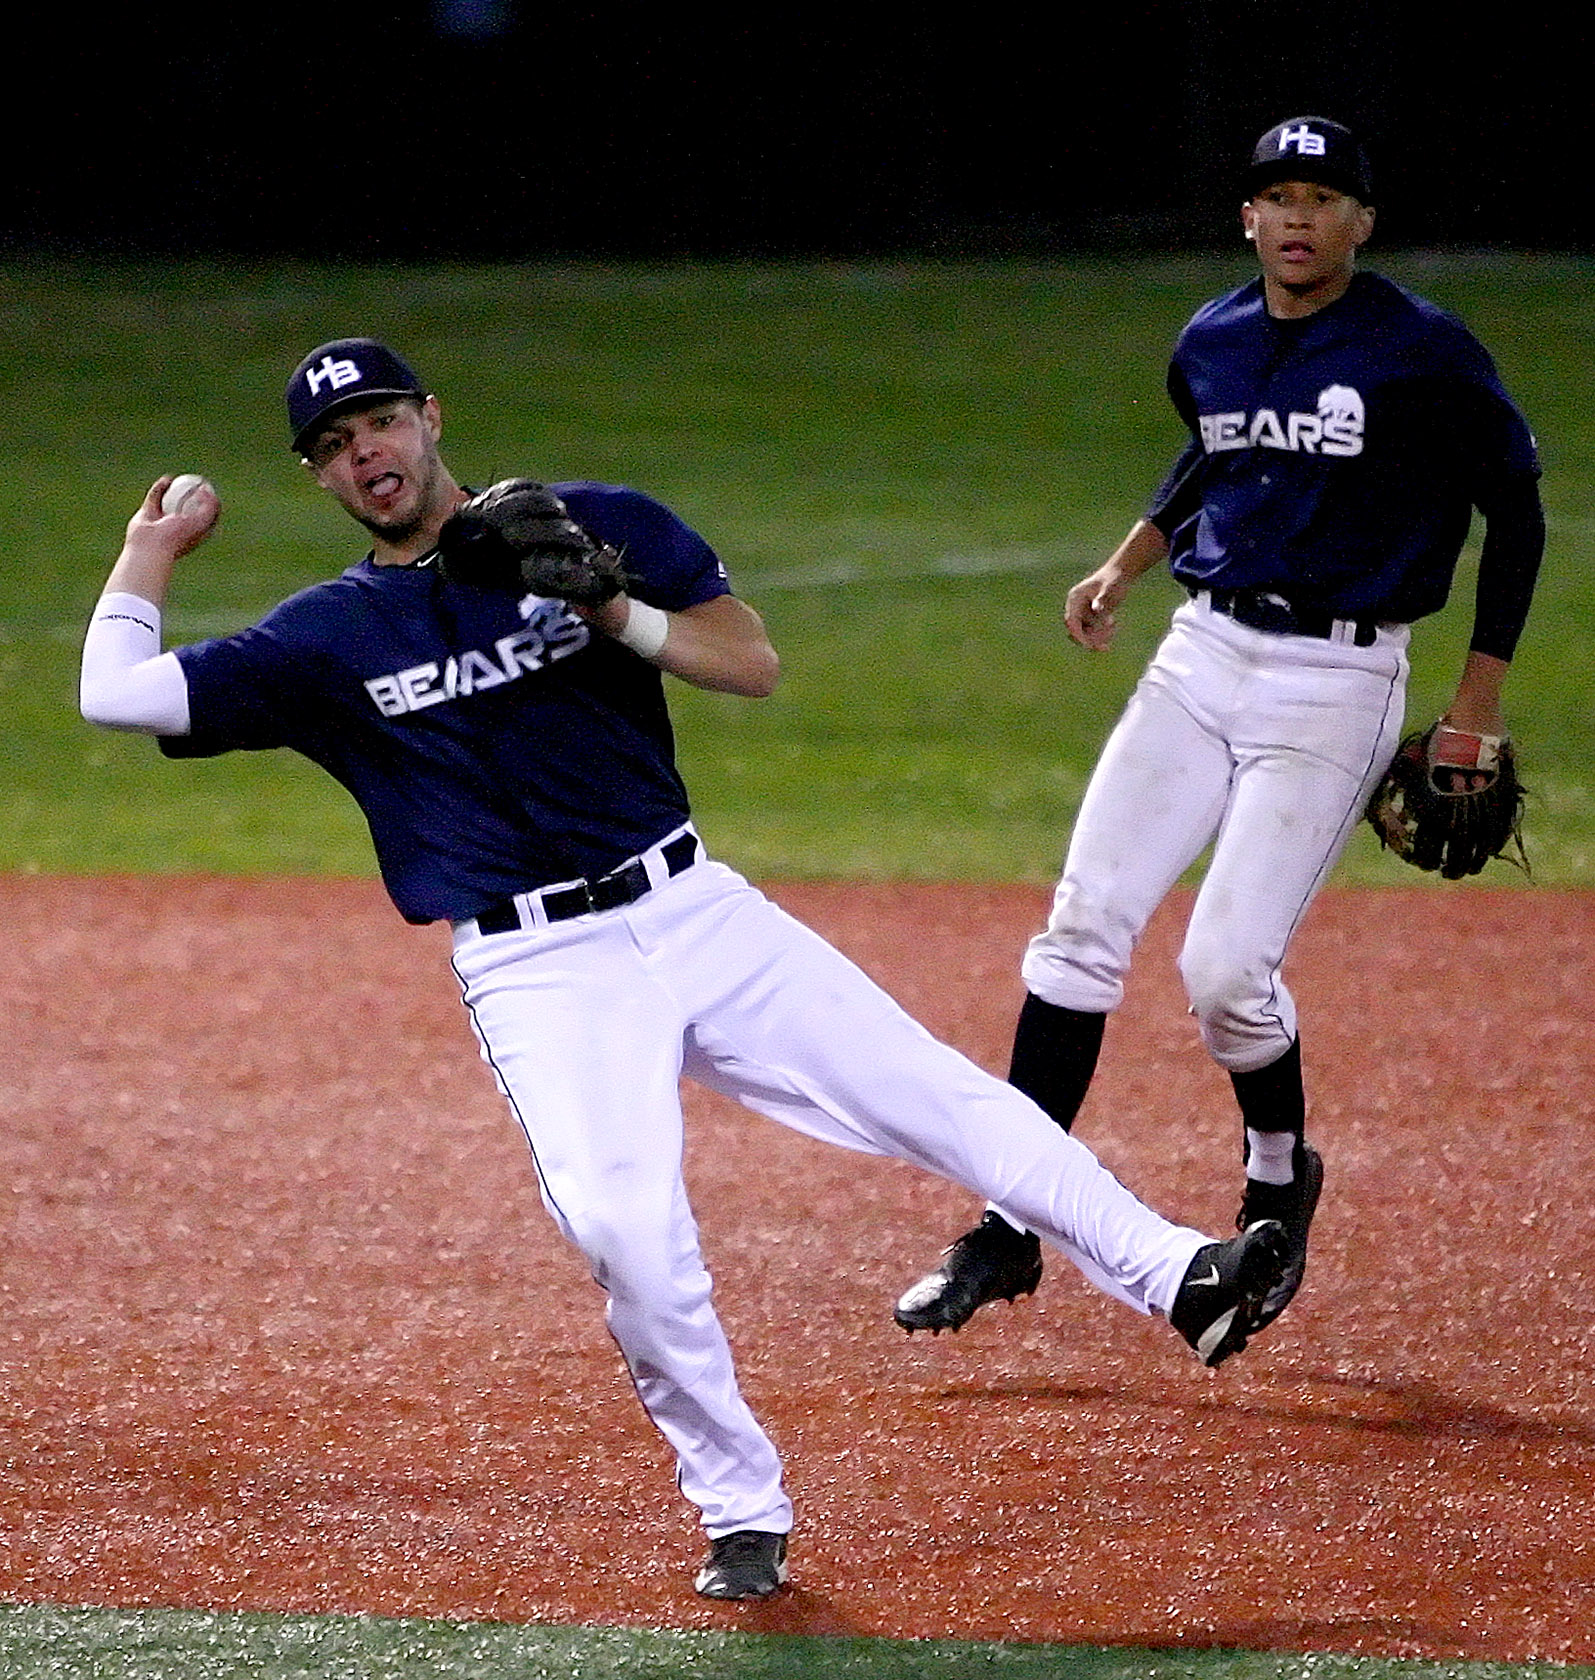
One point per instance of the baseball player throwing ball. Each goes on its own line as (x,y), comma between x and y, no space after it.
(486,683)
(1341,432)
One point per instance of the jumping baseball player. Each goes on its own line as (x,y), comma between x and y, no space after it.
(486,683)
(1341,432)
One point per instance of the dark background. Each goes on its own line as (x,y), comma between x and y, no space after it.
(500,128)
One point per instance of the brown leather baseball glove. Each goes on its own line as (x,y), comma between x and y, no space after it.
(1451,801)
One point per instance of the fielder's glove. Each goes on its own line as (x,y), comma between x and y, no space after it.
(1428,810)
(517,536)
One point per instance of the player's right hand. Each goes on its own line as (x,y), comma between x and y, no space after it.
(1089,609)
(174,534)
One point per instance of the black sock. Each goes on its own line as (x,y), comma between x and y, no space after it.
(1054,1056)
(1272,1098)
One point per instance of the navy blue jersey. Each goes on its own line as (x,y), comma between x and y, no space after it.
(1336,459)
(494,744)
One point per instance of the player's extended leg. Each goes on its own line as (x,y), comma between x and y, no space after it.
(1154,801)
(1312,739)
(788,1026)
(586,1046)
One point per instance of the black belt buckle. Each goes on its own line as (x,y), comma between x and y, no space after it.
(625,886)
(1262,610)
(609,892)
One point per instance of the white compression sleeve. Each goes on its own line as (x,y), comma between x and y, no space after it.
(126,681)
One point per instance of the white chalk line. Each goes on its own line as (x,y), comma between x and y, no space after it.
(832,574)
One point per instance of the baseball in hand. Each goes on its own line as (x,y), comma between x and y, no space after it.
(179,490)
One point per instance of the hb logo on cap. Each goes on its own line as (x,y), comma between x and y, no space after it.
(1306,141)
(329,372)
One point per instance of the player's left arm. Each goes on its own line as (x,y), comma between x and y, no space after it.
(719,644)
(1501,468)
(626,564)
(1514,540)
(1509,563)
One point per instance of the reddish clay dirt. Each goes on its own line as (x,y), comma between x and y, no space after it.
(285,1326)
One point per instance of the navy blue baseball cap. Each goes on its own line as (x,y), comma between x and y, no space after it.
(340,374)
(1310,149)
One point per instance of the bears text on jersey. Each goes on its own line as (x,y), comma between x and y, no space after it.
(552,631)
(1335,428)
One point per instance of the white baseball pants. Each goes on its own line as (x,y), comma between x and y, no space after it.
(587,1025)
(1265,747)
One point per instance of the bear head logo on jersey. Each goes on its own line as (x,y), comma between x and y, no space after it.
(1341,411)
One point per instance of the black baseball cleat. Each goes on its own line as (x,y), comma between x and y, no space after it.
(748,1563)
(1222,1295)
(993,1262)
(1293,1205)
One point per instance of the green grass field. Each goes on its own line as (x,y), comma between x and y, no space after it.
(904,466)
(75,1644)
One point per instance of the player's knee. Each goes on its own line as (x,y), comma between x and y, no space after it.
(1244,1014)
(1224,993)
(632,1257)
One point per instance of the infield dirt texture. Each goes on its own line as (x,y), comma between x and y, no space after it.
(286,1328)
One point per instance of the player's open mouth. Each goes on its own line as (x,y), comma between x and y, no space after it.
(384,484)
(1295,248)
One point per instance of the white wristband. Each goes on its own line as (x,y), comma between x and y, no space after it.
(645,629)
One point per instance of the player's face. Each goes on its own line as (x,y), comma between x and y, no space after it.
(1307,236)
(381,463)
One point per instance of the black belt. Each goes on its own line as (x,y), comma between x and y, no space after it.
(622,886)
(1261,609)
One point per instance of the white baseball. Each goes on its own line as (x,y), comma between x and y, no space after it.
(179,490)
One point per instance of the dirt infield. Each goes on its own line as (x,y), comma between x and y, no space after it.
(286,1328)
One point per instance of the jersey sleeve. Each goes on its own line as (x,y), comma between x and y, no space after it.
(243,692)
(1179,496)
(673,567)
(1494,436)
